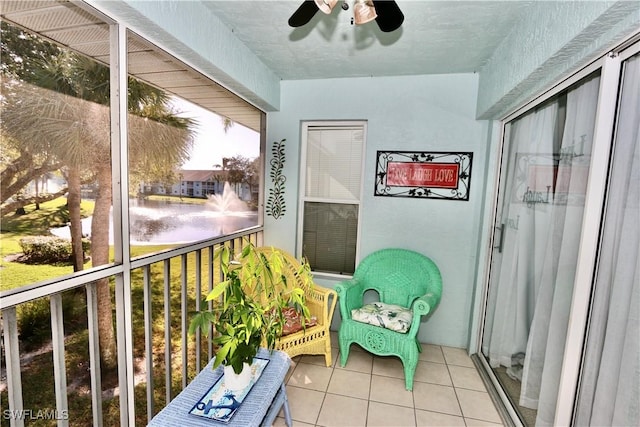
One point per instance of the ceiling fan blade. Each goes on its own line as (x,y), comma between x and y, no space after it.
(390,17)
(303,14)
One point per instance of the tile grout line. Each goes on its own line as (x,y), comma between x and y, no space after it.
(413,396)
(324,395)
(370,373)
(366,420)
(455,391)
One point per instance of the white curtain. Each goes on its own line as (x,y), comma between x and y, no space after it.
(610,390)
(508,327)
(545,347)
(542,216)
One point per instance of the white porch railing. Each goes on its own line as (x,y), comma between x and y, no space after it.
(167,299)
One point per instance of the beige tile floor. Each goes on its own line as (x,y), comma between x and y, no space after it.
(369,391)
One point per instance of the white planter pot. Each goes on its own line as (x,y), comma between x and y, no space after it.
(235,381)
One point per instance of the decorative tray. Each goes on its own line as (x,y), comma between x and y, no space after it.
(219,403)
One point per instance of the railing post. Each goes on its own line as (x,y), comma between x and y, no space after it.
(183,319)
(94,353)
(120,195)
(210,303)
(59,368)
(198,308)
(125,349)
(148,338)
(167,329)
(12,355)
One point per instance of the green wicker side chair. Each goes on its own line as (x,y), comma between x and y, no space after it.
(409,286)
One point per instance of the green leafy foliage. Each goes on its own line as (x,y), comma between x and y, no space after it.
(248,304)
(34,319)
(49,249)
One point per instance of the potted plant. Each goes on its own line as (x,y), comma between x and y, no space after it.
(248,306)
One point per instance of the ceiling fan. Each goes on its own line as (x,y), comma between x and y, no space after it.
(386,13)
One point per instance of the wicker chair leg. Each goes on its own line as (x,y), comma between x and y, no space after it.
(327,354)
(344,351)
(409,371)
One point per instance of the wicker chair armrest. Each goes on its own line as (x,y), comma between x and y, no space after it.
(425,304)
(350,293)
(322,303)
(422,306)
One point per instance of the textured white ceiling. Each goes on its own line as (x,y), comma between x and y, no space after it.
(437,37)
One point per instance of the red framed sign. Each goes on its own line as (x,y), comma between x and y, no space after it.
(434,175)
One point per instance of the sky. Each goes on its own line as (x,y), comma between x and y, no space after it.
(211,143)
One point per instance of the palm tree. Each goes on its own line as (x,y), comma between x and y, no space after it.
(70,126)
(227,124)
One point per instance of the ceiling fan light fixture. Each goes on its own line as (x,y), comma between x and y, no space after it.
(363,12)
(326,6)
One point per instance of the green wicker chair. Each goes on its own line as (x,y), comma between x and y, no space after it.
(401,277)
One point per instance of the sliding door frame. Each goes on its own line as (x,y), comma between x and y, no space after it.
(589,241)
(610,80)
(571,379)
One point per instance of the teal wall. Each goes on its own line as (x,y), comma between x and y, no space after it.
(421,113)
(434,112)
(556,39)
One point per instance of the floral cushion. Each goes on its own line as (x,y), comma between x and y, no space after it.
(390,316)
(293,321)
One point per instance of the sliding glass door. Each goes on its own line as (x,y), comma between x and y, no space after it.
(560,337)
(610,383)
(546,167)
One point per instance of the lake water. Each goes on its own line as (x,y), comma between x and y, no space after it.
(165,223)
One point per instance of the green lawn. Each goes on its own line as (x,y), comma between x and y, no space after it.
(38,223)
(167,198)
(33,319)
(33,223)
